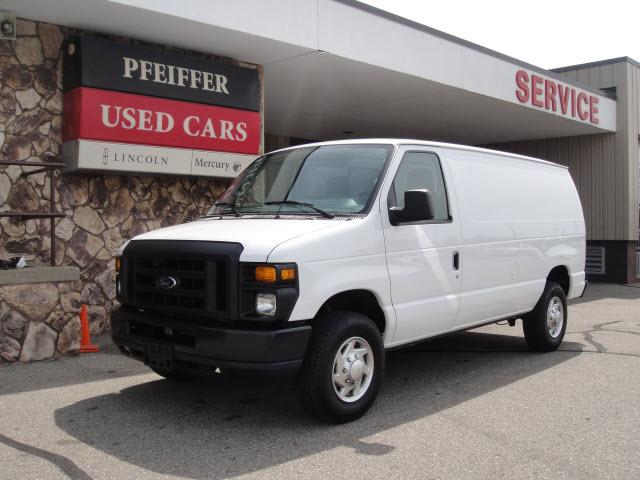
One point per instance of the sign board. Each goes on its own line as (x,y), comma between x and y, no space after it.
(533,89)
(94,114)
(555,96)
(99,156)
(130,109)
(99,63)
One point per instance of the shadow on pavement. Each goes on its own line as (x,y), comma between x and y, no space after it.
(71,370)
(221,427)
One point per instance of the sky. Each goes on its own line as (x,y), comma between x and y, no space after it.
(544,33)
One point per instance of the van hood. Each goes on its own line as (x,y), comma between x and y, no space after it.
(258,236)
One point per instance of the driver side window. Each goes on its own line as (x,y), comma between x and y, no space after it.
(420,171)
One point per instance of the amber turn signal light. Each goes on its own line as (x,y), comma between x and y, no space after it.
(266,274)
(117,264)
(287,274)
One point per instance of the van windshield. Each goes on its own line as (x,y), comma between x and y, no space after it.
(327,180)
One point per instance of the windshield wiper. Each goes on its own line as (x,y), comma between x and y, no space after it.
(324,213)
(231,206)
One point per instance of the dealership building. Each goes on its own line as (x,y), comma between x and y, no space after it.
(143,111)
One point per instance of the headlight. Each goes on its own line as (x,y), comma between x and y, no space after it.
(266,304)
(268,291)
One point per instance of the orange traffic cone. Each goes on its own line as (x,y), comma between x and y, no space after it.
(85,340)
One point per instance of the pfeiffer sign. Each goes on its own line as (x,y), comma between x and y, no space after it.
(557,97)
(137,110)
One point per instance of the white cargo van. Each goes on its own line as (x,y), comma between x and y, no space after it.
(319,257)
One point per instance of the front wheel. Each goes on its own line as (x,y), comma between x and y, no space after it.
(343,367)
(544,327)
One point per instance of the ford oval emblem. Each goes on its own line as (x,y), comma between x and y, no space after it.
(166,282)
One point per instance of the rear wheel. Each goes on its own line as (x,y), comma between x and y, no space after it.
(343,367)
(545,326)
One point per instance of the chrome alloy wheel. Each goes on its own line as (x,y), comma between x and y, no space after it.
(555,317)
(353,369)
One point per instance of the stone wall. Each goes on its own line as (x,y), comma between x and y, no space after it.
(39,321)
(102,211)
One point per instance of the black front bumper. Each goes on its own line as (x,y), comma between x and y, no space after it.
(193,346)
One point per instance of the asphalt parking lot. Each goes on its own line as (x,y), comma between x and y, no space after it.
(474,405)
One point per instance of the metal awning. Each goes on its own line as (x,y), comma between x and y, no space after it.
(332,67)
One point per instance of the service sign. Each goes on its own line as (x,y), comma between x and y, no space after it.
(558,97)
(127,111)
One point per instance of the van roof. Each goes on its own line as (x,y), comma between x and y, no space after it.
(426,143)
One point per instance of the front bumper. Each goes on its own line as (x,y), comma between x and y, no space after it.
(199,347)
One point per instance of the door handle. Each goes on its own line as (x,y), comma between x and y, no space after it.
(456,260)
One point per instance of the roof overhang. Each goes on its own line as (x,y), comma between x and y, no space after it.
(341,66)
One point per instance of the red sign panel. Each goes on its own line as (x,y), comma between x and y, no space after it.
(104,115)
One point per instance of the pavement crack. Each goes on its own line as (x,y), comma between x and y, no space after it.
(604,353)
(588,337)
(623,331)
(587,334)
(65,464)
(599,327)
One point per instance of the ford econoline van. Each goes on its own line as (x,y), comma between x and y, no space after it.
(320,257)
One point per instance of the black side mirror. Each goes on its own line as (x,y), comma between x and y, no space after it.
(418,206)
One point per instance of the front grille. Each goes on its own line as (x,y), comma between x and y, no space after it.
(190,291)
(182,277)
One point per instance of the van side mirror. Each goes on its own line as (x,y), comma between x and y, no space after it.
(418,206)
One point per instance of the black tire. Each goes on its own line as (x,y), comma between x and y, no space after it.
(316,377)
(173,375)
(534,324)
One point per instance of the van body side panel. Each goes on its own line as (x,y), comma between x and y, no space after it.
(349,256)
(420,259)
(519,220)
